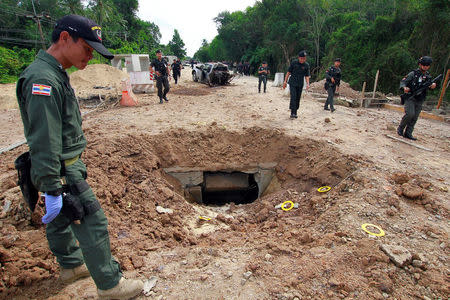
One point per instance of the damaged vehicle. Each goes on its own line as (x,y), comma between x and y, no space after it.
(212,74)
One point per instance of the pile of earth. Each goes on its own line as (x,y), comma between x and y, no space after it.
(8,98)
(344,89)
(98,79)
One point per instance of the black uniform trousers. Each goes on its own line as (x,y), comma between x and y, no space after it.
(264,80)
(160,82)
(296,94)
(413,108)
(330,100)
(176,75)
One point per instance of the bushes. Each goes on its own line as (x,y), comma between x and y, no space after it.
(13,62)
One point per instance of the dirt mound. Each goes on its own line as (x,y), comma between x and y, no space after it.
(344,89)
(97,79)
(8,98)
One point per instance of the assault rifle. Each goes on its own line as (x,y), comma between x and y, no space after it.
(419,91)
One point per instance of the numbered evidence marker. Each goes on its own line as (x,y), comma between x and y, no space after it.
(324,189)
(364,227)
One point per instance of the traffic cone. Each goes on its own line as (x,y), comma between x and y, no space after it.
(128,97)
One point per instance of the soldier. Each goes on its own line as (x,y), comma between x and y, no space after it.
(247,68)
(263,71)
(52,126)
(176,70)
(240,68)
(333,80)
(297,72)
(413,105)
(181,66)
(161,69)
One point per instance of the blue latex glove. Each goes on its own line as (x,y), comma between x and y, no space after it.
(53,205)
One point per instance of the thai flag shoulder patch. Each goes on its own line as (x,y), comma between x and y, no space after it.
(41,89)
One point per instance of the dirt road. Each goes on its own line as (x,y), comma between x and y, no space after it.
(253,251)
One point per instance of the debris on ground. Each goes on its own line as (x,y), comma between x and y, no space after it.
(149,285)
(398,254)
(97,83)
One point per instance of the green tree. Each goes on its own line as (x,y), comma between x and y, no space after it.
(176,45)
(202,54)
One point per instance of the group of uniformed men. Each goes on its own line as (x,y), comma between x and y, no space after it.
(52,127)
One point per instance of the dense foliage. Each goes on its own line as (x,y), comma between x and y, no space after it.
(389,35)
(123,31)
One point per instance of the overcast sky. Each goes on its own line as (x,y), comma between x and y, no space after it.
(192,18)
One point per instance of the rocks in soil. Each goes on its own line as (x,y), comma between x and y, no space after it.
(399,255)
(412,192)
(247,275)
(268,257)
(162,210)
(400,178)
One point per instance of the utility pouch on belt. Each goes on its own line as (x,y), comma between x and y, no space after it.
(29,192)
(72,208)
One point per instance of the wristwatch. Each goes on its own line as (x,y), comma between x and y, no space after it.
(56,192)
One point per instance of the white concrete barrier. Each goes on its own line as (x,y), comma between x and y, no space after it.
(279,79)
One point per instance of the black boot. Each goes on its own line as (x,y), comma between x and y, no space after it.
(326,108)
(165,98)
(293,114)
(160,101)
(400,130)
(409,136)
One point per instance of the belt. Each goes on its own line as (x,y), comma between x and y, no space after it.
(71,161)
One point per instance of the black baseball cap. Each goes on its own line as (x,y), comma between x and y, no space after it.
(425,60)
(86,29)
(302,53)
(338,59)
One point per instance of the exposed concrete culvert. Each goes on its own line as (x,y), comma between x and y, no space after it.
(232,185)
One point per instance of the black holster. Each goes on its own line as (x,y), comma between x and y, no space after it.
(29,192)
(72,208)
(404,97)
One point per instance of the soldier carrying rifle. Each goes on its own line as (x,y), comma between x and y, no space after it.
(415,86)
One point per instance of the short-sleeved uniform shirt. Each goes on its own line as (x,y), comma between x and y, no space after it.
(176,67)
(160,66)
(51,119)
(333,72)
(298,72)
(261,68)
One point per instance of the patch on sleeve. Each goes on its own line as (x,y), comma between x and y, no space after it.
(40,89)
